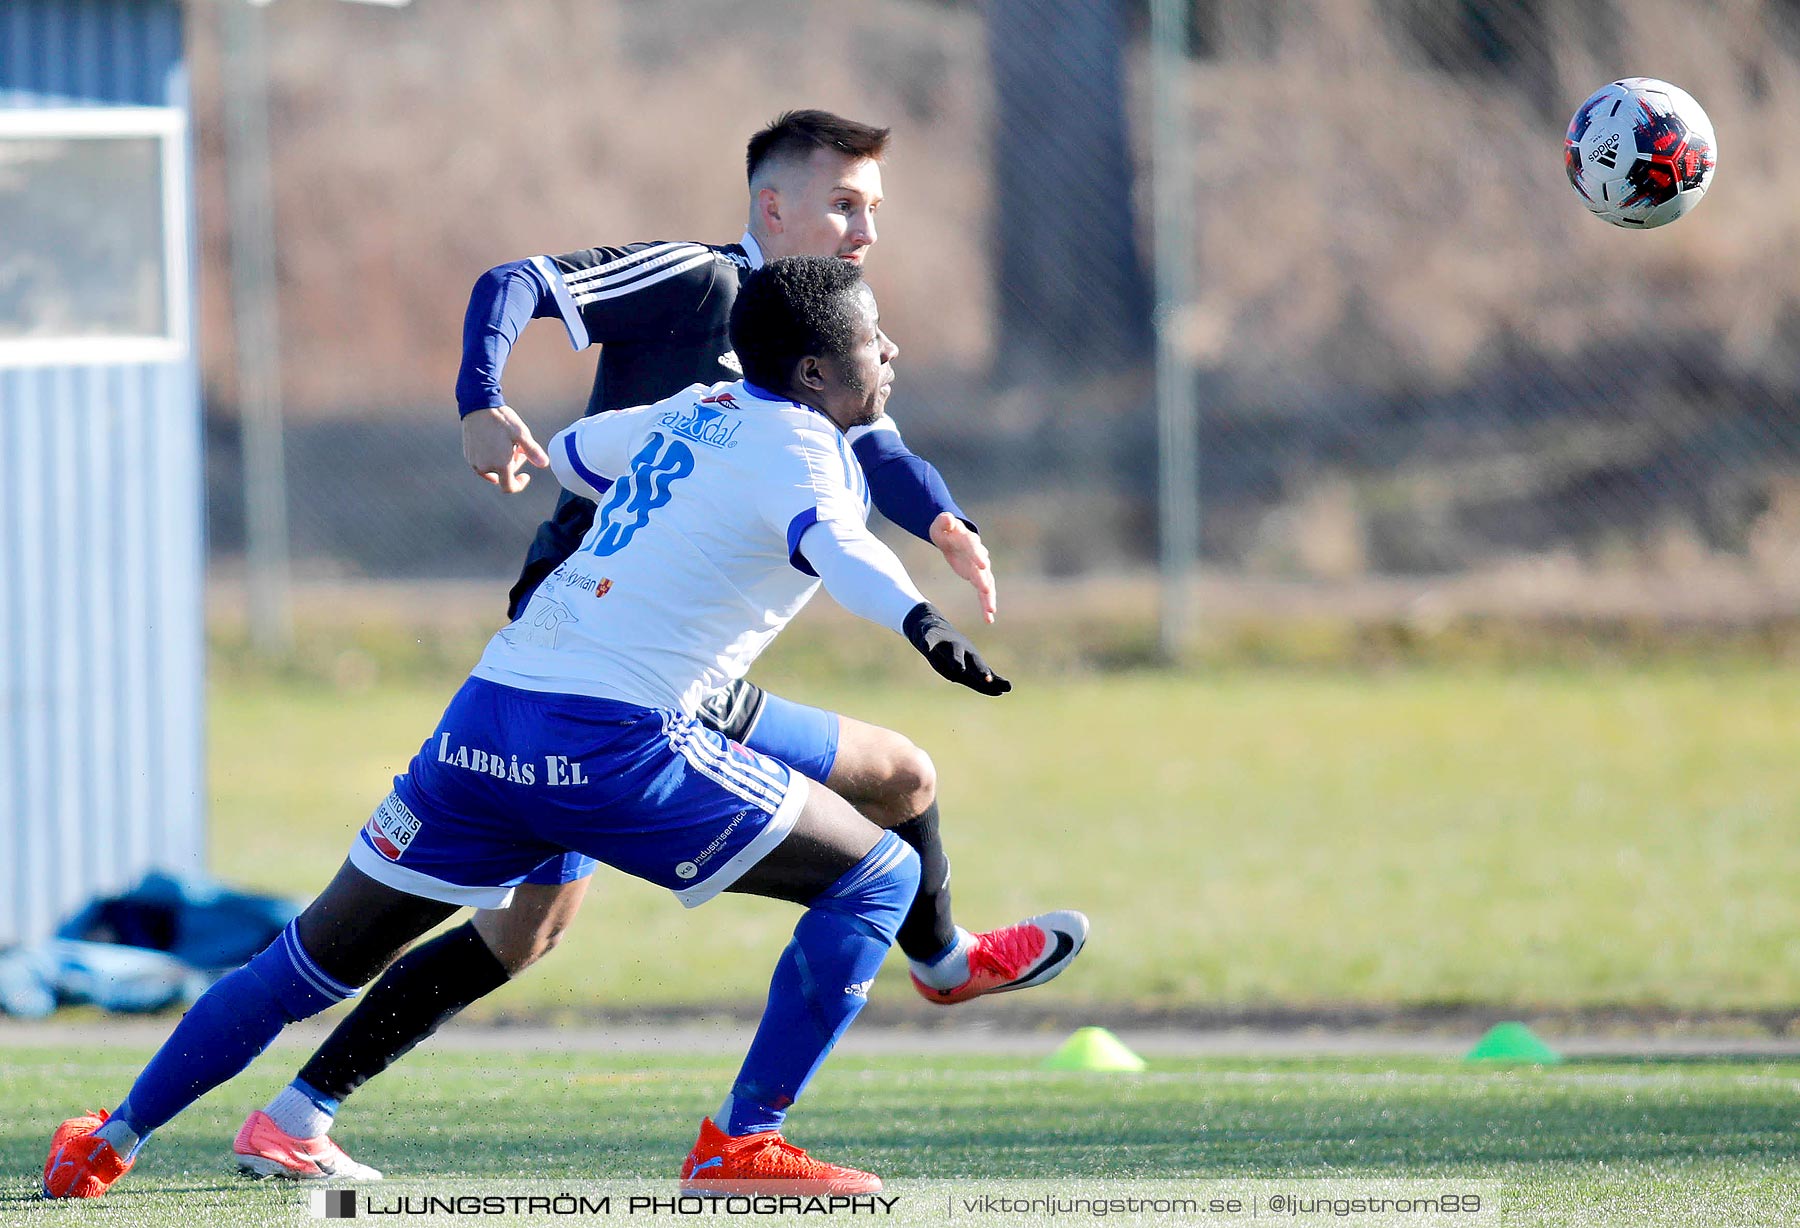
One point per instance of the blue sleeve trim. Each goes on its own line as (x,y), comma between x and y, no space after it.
(601,485)
(504,300)
(797,528)
(904,487)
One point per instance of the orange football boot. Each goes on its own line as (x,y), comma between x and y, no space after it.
(1020,956)
(764,1163)
(80,1165)
(264,1149)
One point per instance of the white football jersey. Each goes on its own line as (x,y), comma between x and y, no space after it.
(690,568)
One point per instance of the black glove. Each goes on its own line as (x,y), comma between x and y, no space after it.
(950,652)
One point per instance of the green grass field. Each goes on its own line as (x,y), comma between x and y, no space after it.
(1577,836)
(1590,1144)
(1566,838)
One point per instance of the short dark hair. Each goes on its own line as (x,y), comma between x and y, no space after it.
(795,134)
(790,309)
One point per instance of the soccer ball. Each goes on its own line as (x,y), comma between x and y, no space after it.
(1640,153)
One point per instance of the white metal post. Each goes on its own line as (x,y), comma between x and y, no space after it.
(1178,448)
(244,69)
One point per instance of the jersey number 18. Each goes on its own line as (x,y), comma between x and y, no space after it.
(659,464)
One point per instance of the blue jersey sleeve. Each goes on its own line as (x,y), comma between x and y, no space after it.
(504,300)
(904,487)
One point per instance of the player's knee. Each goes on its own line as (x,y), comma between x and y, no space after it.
(519,955)
(519,941)
(910,783)
(549,937)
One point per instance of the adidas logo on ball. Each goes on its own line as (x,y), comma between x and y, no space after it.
(1607,152)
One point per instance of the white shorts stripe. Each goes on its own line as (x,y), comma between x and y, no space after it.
(748,793)
(749,783)
(756,797)
(692,735)
(750,772)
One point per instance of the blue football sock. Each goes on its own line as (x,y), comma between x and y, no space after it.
(224,1031)
(820,983)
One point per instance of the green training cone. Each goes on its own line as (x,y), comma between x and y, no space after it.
(1513,1042)
(1093,1049)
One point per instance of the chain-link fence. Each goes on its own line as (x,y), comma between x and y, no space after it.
(1416,353)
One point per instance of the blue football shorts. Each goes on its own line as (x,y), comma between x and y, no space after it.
(515,784)
(803,737)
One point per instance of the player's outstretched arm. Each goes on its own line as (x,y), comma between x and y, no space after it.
(866,578)
(908,490)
